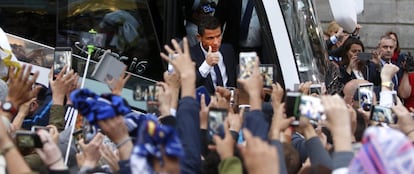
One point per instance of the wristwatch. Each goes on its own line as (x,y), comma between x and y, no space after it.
(8,107)
(388,85)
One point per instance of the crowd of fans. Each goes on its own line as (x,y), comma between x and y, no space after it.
(259,140)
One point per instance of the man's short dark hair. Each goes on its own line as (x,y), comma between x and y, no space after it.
(209,23)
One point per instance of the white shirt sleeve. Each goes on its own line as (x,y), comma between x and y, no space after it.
(386,98)
(204,69)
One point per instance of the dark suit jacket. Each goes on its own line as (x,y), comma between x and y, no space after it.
(229,61)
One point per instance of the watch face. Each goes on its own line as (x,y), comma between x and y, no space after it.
(7,106)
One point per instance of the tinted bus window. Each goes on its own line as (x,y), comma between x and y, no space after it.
(126,27)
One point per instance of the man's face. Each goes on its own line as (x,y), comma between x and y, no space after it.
(387,47)
(211,38)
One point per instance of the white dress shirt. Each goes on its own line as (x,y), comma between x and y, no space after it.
(206,69)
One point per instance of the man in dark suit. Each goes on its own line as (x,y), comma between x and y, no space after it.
(215,62)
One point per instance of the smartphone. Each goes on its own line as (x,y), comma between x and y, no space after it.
(62,57)
(88,131)
(145,93)
(28,139)
(315,89)
(152,101)
(311,108)
(216,117)
(247,63)
(383,115)
(364,56)
(95,39)
(77,136)
(200,91)
(170,66)
(292,101)
(365,96)
(36,128)
(268,73)
(296,87)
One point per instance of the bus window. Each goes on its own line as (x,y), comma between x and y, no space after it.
(305,37)
(126,27)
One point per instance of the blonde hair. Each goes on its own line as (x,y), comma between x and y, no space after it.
(333,27)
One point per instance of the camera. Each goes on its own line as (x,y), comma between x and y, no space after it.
(409,62)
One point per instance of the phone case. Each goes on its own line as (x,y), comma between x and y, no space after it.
(200,91)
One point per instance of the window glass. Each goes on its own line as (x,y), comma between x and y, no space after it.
(305,37)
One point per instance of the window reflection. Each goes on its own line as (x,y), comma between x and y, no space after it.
(126,26)
(305,37)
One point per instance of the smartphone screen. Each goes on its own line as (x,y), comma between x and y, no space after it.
(145,93)
(268,74)
(382,114)
(364,56)
(152,101)
(292,102)
(247,63)
(216,117)
(62,57)
(311,108)
(365,96)
(315,89)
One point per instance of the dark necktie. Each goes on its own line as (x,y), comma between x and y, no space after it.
(245,22)
(219,79)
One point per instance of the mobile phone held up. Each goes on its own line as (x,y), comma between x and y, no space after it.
(364,56)
(268,74)
(216,117)
(382,114)
(203,91)
(247,63)
(28,139)
(315,89)
(62,57)
(365,96)
(292,101)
